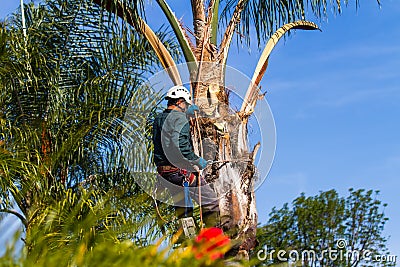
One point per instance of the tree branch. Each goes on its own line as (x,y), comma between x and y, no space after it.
(20,216)
(131,17)
(226,40)
(252,94)
(199,19)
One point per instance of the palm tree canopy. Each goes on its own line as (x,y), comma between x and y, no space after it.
(259,17)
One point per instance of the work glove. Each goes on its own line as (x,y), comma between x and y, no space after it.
(202,163)
(191,109)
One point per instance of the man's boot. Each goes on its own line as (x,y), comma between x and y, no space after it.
(180,213)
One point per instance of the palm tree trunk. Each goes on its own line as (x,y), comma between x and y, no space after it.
(232,174)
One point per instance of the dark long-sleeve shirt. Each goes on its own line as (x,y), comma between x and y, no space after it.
(172,140)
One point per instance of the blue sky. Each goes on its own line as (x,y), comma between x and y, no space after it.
(335,97)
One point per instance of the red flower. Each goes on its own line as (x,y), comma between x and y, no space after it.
(211,243)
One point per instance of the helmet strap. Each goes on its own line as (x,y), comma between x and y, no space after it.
(177,105)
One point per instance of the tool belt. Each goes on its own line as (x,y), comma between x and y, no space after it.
(168,170)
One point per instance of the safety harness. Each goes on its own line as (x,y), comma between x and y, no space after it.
(188,224)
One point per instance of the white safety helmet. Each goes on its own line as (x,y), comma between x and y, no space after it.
(179,91)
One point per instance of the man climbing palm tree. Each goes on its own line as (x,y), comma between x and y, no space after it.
(175,159)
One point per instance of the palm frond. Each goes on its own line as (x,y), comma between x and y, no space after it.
(63,96)
(266,16)
(252,93)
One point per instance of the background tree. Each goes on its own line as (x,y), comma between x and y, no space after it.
(64,91)
(327,221)
(206,58)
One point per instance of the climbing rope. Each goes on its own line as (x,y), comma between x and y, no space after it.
(157,209)
(200,172)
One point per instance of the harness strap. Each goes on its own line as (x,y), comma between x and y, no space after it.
(168,170)
(188,200)
(189,178)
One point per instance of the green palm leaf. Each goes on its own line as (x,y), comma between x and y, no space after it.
(64,94)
